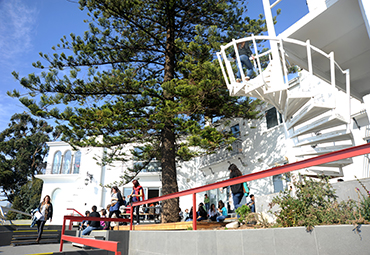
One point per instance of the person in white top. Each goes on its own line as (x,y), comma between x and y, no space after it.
(46,210)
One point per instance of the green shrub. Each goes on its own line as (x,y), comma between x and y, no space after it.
(243,212)
(314,203)
(364,204)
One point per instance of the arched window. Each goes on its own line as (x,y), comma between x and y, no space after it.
(77,164)
(67,162)
(56,162)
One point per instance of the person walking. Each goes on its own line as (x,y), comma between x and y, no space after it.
(237,189)
(46,212)
(116,202)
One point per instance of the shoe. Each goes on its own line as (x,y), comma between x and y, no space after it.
(137,223)
(37,240)
(247,78)
(238,80)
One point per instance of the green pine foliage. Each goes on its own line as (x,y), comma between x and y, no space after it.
(145,73)
(22,152)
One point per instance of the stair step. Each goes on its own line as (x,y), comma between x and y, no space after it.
(320,124)
(28,242)
(308,112)
(294,103)
(328,171)
(322,150)
(334,136)
(33,230)
(339,163)
(24,237)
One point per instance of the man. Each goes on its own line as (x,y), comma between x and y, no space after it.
(251,204)
(206,202)
(92,225)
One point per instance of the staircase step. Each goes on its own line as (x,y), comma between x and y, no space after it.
(308,112)
(320,124)
(334,136)
(339,163)
(322,150)
(316,171)
(294,103)
(24,237)
(28,242)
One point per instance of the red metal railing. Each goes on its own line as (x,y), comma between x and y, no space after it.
(322,159)
(73,211)
(105,245)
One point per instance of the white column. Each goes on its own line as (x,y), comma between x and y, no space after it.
(365,10)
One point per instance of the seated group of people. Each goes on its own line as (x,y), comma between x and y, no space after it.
(214,215)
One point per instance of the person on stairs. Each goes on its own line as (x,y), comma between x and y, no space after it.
(46,210)
(244,54)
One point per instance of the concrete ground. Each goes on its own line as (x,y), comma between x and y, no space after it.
(36,249)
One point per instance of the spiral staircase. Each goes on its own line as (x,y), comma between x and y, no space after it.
(316,111)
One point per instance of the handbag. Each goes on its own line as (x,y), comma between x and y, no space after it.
(38,215)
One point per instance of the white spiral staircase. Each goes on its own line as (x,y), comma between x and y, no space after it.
(316,112)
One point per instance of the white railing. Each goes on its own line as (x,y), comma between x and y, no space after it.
(6,209)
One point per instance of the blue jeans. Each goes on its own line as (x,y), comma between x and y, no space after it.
(244,59)
(201,218)
(220,218)
(88,230)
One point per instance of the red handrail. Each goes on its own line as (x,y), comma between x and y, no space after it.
(105,245)
(319,160)
(71,222)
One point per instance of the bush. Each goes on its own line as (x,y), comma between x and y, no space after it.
(314,203)
(364,203)
(243,212)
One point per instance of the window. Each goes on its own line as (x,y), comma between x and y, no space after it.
(76,165)
(56,162)
(235,130)
(67,162)
(272,118)
(278,183)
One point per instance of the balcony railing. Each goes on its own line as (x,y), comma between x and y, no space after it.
(222,155)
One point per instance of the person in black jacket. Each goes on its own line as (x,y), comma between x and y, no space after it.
(92,225)
(244,54)
(46,212)
(116,202)
(237,189)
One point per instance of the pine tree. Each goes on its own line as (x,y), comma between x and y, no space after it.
(145,73)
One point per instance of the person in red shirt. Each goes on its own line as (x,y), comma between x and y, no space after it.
(136,195)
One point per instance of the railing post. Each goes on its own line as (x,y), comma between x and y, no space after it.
(131,217)
(194,211)
(348,90)
(309,57)
(62,234)
(332,68)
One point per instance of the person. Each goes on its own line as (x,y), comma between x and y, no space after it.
(83,224)
(137,194)
(206,201)
(237,189)
(46,210)
(104,224)
(181,214)
(116,202)
(252,204)
(202,213)
(186,215)
(158,210)
(190,217)
(244,53)
(92,225)
(212,213)
(222,210)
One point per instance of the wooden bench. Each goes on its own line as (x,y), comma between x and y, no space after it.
(182,225)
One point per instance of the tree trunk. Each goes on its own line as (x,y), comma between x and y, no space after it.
(168,159)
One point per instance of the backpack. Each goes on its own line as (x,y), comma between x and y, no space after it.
(245,189)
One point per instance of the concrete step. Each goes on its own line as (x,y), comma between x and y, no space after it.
(34,236)
(320,124)
(334,136)
(33,241)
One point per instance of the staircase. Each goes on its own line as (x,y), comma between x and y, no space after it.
(24,235)
(316,113)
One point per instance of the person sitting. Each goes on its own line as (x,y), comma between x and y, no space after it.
(83,224)
(190,217)
(103,224)
(222,210)
(202,213)
(252,204)
(186,214)
(92,225)
(212,213)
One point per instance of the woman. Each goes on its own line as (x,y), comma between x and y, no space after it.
(115,203)
(137,194)
(212,213)
(244,53)
(222,210)
(201,214)
(46,210)
(103,214)
(237,189)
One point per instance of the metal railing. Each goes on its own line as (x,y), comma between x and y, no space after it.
(73,211)
(322,159)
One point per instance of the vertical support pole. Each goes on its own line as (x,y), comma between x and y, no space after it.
(194,211)
(348,90)
(309,57)
(131,217)
(257,55)
(332,69)
(63,231)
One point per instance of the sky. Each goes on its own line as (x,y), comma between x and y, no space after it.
(28,27)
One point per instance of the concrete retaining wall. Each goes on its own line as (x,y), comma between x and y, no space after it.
(341,239)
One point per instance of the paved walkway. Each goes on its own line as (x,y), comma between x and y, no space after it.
(36,249)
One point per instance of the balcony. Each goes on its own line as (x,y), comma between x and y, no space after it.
(222,155)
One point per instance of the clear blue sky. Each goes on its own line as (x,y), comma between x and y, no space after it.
(28,27)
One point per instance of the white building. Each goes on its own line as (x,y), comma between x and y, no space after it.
(324,109)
